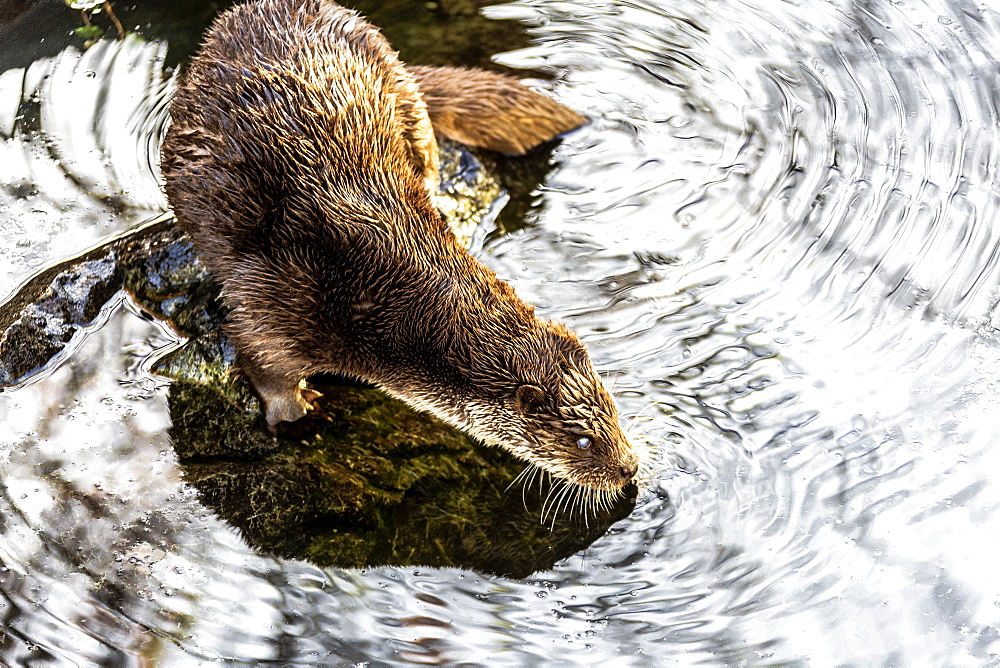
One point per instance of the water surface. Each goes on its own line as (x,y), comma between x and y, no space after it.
(776,236)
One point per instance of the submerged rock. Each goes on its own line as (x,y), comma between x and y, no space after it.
(58,304)
(48,312)
(364,481)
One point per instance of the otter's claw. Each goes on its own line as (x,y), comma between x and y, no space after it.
(289,407)
(310,396)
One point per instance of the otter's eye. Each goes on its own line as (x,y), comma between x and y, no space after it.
(583,442)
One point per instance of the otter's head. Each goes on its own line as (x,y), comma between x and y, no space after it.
(546,404)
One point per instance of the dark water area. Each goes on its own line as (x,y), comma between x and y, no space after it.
(776,235)
(428,33)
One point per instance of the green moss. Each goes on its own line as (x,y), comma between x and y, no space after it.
(363,481)
(89,33)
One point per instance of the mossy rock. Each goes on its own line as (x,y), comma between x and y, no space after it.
(363,481)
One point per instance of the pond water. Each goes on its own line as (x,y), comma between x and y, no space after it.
(777,236)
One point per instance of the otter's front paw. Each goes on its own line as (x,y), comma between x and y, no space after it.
(289,407)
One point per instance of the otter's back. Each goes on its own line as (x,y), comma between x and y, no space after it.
(292,111)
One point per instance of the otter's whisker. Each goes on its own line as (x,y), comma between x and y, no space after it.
(520,477)
(533,477)
(545,479)
(561,491)
(586,506)
(571,500)
(560,499)
(597,500)
(548,500)
(608,499)
(640,415)
(560,503)
(524,480)
(541,476)
(567,502)
(583,496)
(614,383)
(524,487)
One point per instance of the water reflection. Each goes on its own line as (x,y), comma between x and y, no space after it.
(776,236)
(829,285)
(82,135)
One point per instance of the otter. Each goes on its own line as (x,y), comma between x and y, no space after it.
(300,160)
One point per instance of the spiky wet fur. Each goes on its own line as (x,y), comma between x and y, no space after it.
(298,160)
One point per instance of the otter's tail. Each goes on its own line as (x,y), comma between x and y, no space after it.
(490,110)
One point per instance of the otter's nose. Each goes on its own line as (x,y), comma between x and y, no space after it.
(628,471)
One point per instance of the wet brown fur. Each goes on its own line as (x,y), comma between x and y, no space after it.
(298,160)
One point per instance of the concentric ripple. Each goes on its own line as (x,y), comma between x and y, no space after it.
(787,216)
(777,235)
(79,145)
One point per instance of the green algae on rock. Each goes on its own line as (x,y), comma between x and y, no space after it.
(365,481)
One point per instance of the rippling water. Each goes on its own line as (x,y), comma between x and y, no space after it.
(777,236)
(79,137)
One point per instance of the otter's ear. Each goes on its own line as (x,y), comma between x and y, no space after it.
(529,398)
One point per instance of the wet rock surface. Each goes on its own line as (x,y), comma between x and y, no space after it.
(363,481)
(56,308)
(57,304)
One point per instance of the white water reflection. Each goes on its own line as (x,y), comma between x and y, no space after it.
(79,138)
(795,204)
(778,236)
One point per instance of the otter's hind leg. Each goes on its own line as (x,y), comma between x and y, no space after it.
(489,110)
